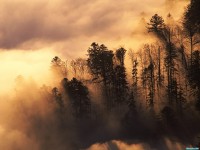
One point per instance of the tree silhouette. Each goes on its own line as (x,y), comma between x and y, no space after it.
(58,98)
(100,62)
(79,68)
(156,24)
(148,79)
(135,74)
(120,54)
(194,76)
(190,31)
(191,24)
(135,77)
(191,16)
(79,97)
(165,34)
(120,83)
(170,65)
(181,100)
(59,66)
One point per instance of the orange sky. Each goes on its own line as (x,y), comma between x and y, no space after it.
(71,26)
(33,32)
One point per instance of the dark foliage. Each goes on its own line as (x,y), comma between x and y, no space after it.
(78,96)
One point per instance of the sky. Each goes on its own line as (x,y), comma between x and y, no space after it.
(70,26)
(33,32)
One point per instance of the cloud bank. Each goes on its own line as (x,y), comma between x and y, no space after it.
(73,25)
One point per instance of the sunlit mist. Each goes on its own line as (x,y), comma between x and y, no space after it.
(99,75)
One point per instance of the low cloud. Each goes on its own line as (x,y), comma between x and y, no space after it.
(61,24)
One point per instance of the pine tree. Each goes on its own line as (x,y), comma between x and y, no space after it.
(156,24)
(194,76)
(148,77)
(165,34)
(191,24)
(120,83)
(58,98)
(79,97)
(100,63)
(120,54)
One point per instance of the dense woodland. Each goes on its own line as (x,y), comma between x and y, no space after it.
(168,68)
(163,87)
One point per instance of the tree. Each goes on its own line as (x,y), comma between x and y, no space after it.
(160,76)
(79,67)
(165,34)
(180,42)
(148,79)
(100,63)
(134,63)
(180,99)
(59,66)
(190,33)
(132,104)
(194,76)
(58,98)
(156,24)
(79,97)
(191,24)
(191,15)
(74,67)
(120,54)
(135,74)
(170,66)
(120,84)
(195,69)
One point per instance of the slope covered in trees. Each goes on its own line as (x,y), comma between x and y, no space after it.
(158,97)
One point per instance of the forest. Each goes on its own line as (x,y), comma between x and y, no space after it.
(163,88)
(149,95)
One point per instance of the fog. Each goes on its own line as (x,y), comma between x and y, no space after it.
(70,27)
(33,65)
(32,33)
